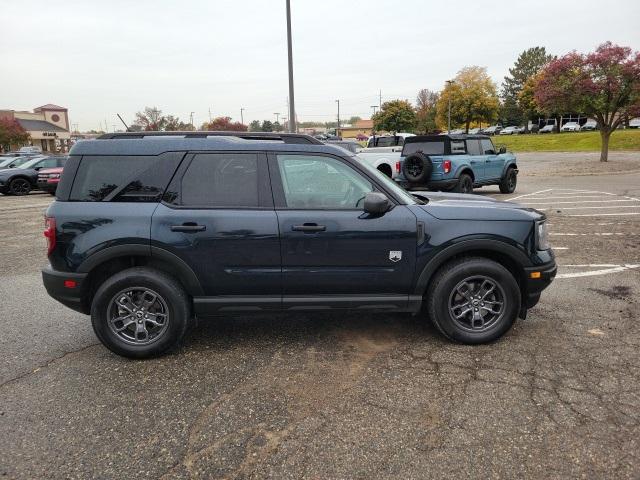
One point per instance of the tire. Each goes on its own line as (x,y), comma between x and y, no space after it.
(417,168)
(126,336)
(509,181)
(489,325)
(19,187)
(464,185)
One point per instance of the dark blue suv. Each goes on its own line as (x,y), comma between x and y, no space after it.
(150,230)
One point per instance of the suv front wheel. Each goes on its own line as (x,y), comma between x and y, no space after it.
(473,300)
(509,181)
(140,313)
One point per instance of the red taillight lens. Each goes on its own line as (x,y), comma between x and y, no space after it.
(50,233)
(446,166)
(398,167)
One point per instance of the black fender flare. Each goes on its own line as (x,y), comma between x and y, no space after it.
(464,168)
(517,256)
(507,166)
(180,269)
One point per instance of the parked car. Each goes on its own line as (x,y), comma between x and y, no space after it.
(547,129)
(361,137)
(475,131)
(386,162)
(146,234)
(634,123)
(570,127)
(24,178)
(353,147)
(456,163)
(589,125)
(48,179)
(513,130)
(492,130)
(388,141)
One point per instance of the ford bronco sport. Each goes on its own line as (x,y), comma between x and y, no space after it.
(150,230)
(456,163)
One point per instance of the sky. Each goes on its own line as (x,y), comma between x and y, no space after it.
(102,58)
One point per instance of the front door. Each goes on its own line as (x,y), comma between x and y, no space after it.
(334,254)
(493,163)
(218,217)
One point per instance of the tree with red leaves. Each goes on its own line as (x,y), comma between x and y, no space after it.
(224,124)
(11,133)
(604,84)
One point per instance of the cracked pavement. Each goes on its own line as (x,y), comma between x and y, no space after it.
(331,395)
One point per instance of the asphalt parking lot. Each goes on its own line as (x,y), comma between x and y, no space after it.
(342,396)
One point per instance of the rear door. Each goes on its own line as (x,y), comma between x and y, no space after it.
(332,252)
(477,158)
(218,217)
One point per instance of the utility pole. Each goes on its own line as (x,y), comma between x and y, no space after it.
(338,102)
(277,114)
(191,119)
(209,114)
(374,109)
(449,82)
(380,100)
(292,110)
(242,116)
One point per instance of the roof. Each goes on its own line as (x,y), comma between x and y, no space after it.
(49,106)
(364,124)
(155,143)
(39,125)
(434,138)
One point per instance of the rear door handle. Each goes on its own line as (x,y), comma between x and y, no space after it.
(188,227)
(309,228)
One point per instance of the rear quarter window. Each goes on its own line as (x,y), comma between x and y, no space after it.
(123,178)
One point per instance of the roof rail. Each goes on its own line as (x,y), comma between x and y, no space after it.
(260,136)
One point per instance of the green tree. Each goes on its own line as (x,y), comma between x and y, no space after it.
(174,124)
(528,64)
(353,120)
(604,84)
(224,124)
(277,127)
(267,126)
(255,126)
(473,99)
(426,109)
(395,116)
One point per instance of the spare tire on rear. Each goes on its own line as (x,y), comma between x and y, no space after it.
(417,168)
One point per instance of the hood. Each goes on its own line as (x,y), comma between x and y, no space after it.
(8,172)
(460,206)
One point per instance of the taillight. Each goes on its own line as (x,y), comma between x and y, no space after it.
(50,233)
(398,166)
(446,166)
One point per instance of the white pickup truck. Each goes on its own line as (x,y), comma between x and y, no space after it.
(383,153)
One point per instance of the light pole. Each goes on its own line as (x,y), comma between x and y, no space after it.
(191,119)
(338,102)
(449,82)
(292,109)
(277,114)
(374,108)
(242,116)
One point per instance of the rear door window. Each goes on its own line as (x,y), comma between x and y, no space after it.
(223,180)
(474,147)
(123,178)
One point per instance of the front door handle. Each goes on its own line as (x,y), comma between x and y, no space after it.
(309,228)
(188,227)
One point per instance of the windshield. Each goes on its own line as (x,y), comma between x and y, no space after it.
(389,183)
(29,163)
(13,160)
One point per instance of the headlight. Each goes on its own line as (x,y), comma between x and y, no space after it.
(542,236)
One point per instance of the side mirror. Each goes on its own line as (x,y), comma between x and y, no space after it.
(376,203)
(502,150)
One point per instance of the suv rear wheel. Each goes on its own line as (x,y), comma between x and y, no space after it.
(473,300)
(140,313)
(464,185)
(509,181)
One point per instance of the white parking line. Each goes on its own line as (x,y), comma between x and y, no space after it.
(602,214)
(579,201)
(610,268)
(587,208)
(529,194)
